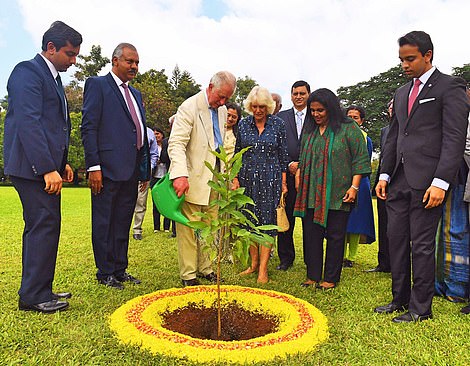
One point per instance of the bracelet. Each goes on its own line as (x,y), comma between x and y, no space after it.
(354,187)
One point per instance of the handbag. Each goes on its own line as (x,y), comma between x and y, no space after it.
(282,221)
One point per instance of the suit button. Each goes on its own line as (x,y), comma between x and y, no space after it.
(65,128)
(406,133)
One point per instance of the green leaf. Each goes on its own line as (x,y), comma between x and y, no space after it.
(197,225)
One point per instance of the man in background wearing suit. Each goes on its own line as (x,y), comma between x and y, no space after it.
(423,151)
(383,256)
(197,130)
(294,119)
(116,147)
(36,140)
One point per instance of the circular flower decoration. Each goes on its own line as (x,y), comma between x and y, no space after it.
(301,327)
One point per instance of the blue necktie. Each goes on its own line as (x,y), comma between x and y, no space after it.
(215,125)
(60,88)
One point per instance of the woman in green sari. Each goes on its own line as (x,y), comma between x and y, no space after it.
(333,158)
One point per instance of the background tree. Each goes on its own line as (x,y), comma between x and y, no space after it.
(183,86)
(76,156)
(4,103)
(74,93)
(374,95)
(157,96)
(463,72)
(244,86)
(91,65)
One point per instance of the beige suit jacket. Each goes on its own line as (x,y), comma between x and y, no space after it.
(190,143)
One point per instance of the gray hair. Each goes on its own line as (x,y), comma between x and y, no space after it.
(224,78)
(118,50)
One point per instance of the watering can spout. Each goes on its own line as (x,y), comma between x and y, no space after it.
(167,201)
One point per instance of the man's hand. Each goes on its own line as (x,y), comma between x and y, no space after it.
(95,181)
(181,186)
(381,189)
(235,184)
(434,196)
(293,167)
(67,175)
(143,185)
(53,182)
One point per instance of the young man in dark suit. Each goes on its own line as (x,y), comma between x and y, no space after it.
(294,119)
(116,147)
(423,151)
(36,140)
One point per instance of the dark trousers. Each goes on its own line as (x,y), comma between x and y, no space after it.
(412,238)
(112,211)
(285,240)
(41,215)
(157,215)
(313,245)
(383,255)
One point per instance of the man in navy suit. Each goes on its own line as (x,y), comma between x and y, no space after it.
(294,119)
(36,140)
(116,147)
(422,154)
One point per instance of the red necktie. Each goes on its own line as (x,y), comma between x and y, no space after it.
(130,104)
(413,95)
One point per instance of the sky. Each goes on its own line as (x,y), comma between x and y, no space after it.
(329,43)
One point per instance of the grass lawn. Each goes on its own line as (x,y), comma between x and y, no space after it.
(81,336)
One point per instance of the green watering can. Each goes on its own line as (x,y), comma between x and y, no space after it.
(166,200)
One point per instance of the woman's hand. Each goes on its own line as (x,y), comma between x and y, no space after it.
(350,196)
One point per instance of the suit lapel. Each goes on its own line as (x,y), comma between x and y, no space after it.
(118,94)
(137,98)
(291,122)
(50,79)
(424,91)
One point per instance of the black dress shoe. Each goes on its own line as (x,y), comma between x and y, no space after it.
(111,281)
(411,318)
(191,282)
(137,236)
(212,277)
(126,277)
(377,269)
(465,310)
(390,308)
(283,267)
(308,283)
(44,307)
(61,295)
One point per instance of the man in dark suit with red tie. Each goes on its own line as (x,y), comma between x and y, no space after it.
(36,140)
(294,119)
(422,154)
(116,147)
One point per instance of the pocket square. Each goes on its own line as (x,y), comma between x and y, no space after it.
(426,100)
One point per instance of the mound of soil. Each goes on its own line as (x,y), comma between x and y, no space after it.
(238,323)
